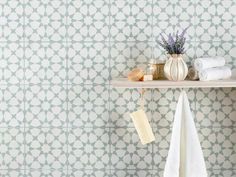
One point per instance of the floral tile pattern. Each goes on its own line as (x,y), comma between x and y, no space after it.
(45,20)
(45,148)
(169,16)
(219,147)
(45,63)
(88,20)
(165,101)
(218,173)
(88,63)
(126,101)
(131,21)
(88,106)
(12,106)
(216,107)
(12,20)
(12,148)
(130,173)
(45,106)
(88,173)
(12,173)
(46,173)
(127,152)
(88,148)
(214,20)
(60,115)
(12,63)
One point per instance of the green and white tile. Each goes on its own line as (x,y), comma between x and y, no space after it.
(45,63)
(88,106)
(88,63)
(45,106)
(126,101)
(170,16)
(127,152)
(131,21)
(12,63)
(12,173)
(132,173)
(88,173)
(45,148)
(214,20)
(88,20)
(46,173)
(45,20)
(12,149)
(165,102)
(216,107)
(88,148)
(12,21)
(12,106)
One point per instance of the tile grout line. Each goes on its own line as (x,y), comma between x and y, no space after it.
(152,90)
(24,81)
(67,90)
(112,41)
(114,127)
(61,84)
(61,169)
(195,32)
(107,41)
(195,55)
(109,93)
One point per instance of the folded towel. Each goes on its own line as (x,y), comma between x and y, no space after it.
(217,73)
(192,74)
(185,157)
(204,63)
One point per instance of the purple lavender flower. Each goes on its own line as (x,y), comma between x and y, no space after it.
(174,44)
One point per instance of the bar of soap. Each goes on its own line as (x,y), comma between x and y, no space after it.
(136,75)
(142,126)
(148,77)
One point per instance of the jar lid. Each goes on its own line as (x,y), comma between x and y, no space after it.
(152,61)
(160,60)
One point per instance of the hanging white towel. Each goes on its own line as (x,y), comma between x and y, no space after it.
(209,62)
(185,158)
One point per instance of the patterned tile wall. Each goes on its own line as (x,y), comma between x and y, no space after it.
(59,115)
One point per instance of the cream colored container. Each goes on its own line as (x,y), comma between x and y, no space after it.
(142,126)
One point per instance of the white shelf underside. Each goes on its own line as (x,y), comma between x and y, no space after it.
(125,83)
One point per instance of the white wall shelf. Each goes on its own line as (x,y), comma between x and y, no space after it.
(125,83)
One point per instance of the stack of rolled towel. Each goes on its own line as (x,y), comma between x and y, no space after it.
(209,68)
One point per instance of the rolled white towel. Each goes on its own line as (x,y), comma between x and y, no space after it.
(217,73)
(203,63)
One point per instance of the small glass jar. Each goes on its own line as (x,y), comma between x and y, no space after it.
(149,69)
(158,70)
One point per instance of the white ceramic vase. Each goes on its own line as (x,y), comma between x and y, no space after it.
(175,68)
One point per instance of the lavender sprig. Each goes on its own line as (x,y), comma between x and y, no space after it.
(174,44)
